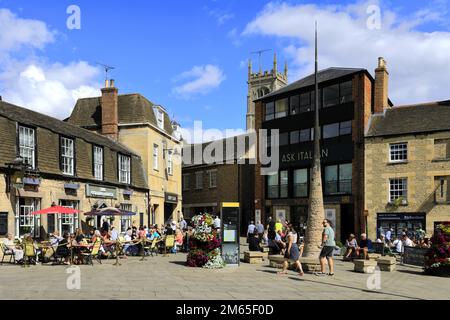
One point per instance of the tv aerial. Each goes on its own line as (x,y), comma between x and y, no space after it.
(107,68)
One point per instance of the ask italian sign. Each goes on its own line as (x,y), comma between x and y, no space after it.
(301,155)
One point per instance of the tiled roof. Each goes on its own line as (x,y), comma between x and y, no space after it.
(419,118)
(32,118)
(133,108)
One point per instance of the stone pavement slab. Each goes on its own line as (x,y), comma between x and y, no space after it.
(168,278)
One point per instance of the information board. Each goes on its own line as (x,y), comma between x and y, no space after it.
(414,256)
(230,235)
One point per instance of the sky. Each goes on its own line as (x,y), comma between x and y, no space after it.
(191,56)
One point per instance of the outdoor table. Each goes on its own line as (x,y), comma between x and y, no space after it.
(80,246)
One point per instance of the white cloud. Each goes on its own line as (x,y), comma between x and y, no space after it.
(418,61)
(46,88)
(221,17)
(200,80)
(29,80)
(16,33)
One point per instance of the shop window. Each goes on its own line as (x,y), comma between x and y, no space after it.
(338,179)
(68,222)
(272,186)
(281,107)
(213,178)
(125,221)
(270,111)
(398,189)
(300,183)
(27,223)
(398,152)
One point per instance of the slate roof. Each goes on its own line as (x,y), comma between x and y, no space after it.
(133,108)
(410,119)
(322,76)
(32,118)
(222,142)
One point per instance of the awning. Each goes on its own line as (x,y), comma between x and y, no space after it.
(28,194)
(57,209)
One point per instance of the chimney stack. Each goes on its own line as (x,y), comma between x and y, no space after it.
(381,87)
(110,111)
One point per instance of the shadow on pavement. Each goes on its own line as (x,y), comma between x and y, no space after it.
(358,289)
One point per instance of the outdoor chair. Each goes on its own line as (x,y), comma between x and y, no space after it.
(7,252)
(169,243)
(93,253)
(29,254)
(154,246)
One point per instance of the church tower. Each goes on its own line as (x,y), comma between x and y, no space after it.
(260,84)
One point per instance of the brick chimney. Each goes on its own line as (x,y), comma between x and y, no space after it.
(110,111)
(381,86)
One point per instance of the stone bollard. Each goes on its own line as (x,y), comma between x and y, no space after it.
(387,263)
(365,266)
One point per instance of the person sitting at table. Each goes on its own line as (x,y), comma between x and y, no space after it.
(64,248)
(352,247)
(254,242)
(13,248)
(365,245)
(55,238)
(114,234)
(178,239)
(79,236)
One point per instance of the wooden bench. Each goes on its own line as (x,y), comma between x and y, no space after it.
(365,266)
(387,263)
(254,257)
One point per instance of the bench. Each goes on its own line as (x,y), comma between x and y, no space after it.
(365,266)
(276,260)
(254,257)
(374,256)
(387,263)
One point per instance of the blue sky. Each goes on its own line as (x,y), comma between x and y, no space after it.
(191,56)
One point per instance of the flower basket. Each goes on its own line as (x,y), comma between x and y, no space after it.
(204,246)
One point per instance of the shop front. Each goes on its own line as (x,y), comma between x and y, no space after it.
(399,222)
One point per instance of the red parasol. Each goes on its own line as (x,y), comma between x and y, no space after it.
(57,209)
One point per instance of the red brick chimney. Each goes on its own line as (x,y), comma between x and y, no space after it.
(381,86)
(110,111)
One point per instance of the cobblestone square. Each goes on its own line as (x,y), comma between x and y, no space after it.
(167,277)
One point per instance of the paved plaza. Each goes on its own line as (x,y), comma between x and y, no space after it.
(167,277)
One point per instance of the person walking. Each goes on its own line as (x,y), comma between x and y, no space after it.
(328,245)
(292,252)
(260,228)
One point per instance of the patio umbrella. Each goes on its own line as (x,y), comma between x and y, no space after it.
(57,209)
(109,211)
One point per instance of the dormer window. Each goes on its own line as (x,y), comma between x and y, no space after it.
(159,114)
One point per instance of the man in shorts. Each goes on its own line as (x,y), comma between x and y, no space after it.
(328,245)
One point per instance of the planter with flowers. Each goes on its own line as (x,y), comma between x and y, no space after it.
(437,260)
(204,246)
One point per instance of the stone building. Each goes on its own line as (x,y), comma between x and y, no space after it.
(348,96)
(45,162)
(147,129)
(407,168)
(206,185)
(262,83)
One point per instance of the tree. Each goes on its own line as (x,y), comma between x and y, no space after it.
(316,212)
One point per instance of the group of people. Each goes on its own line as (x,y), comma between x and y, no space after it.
(282,238)
(391,244)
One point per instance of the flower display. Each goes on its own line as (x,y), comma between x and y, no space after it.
(204,246)
(437,259)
